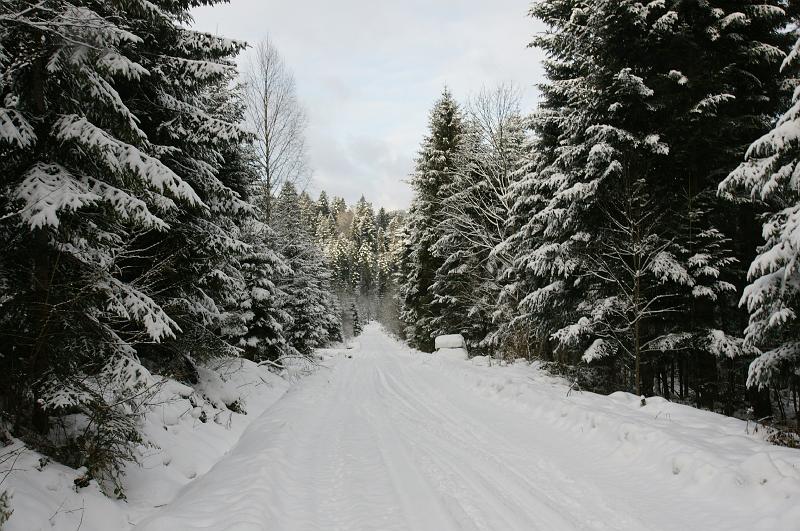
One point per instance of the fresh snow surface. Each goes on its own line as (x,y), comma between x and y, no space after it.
(385,438)
(394,439)
(450,341)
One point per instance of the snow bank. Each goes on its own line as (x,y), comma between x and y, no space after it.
(711,454)
(452,353)
(482,361)
(189,429)
(450,341)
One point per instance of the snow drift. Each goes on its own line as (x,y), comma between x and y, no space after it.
(188,429)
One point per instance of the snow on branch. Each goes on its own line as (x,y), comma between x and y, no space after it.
(764,368)
(119,156)
(48,189)
(15,129)
(129,303)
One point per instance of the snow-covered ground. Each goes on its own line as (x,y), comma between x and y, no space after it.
(387,438)
(189,429)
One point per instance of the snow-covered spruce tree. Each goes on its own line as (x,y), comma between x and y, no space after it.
(519,331)
(338,208)
(769,177)
(627,85)
(112,212)
(257,322)
(323,206)
(538,245)
(207,281)
(475,217)
(382,219)
(364,261)
(435,167)
(309,300)
(722,90)
(364,227)
(591,145)
(308,212)
(357,327)
(385,289)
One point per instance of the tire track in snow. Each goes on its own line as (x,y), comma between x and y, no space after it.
(498,477)
(387,440)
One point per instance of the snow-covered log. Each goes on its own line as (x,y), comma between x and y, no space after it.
(452,354)
(450,341)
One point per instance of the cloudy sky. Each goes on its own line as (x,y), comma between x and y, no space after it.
(368,72)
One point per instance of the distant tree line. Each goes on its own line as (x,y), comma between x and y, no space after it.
(361,247)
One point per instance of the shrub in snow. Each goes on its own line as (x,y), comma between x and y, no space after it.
(96,420)
(5,507)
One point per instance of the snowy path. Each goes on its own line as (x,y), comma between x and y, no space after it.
(390,439)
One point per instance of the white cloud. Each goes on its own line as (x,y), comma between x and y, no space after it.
(369,71)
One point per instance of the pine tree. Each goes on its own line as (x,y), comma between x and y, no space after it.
(435,167)
(768,177)
(475,217)
(117,203)
(357,328)
(322,204)
(309,299)
(628,85)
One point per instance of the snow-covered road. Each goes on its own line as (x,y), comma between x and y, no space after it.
(391,439)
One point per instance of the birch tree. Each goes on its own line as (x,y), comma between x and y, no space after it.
(278,120)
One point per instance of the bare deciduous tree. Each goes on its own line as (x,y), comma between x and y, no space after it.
(278,120)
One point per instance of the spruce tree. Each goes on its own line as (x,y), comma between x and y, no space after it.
(323,207)
(309,300)
(435,167)
(768,177)
(382,218)
(116,202)
(357,327)
(258,322)
(627,86)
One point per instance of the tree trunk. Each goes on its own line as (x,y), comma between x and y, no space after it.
(42,274)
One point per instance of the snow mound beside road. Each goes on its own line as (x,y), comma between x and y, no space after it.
(189,429)
(709,454)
